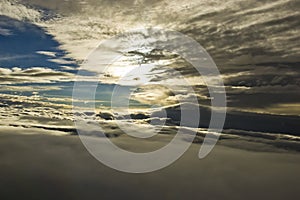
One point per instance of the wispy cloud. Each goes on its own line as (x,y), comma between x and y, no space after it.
(32,75)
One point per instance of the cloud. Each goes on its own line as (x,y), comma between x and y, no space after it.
(16,10)
(14,57)
(153,94)
(55,167)
(28,88)
(5,32)
(256,76)
(254,45)
(32,75)
(25,44)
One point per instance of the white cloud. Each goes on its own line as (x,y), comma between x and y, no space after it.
(16,10)
(32,75)
(5,32)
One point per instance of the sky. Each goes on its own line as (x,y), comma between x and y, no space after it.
(254,44)
(48,48)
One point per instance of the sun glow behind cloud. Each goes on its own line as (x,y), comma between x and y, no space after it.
(252,82)
(258,63)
